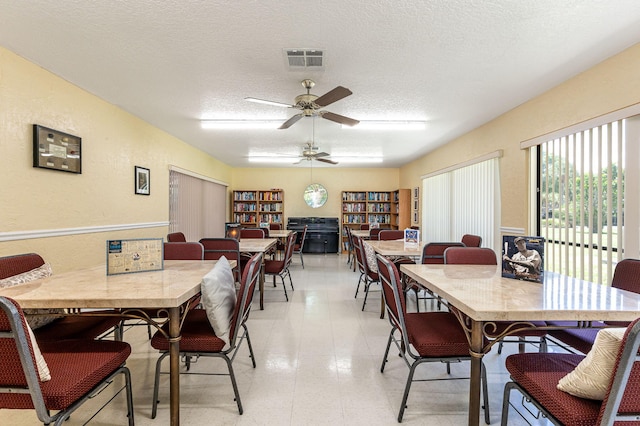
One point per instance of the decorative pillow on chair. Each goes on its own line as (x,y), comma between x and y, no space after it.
(34,317)
(590,379)
(219,298)
(370,253)
(41,364)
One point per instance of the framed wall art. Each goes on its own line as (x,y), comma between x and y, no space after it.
(143,181)
(56,150)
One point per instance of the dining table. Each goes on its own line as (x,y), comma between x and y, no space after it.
(361,233)
(251,246)
(85,291)
(480,296)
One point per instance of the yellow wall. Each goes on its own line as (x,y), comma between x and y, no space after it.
(113,142)
(294,180)
(609,86)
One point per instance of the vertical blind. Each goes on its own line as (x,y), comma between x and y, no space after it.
(197,207)
(463,200)
(581,207)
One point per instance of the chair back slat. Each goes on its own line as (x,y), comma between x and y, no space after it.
(434,252)
(183,251)
(470,256)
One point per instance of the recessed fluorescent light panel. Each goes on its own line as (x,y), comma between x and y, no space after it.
(388,125)
(240,124)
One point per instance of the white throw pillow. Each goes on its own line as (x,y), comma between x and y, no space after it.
(219,298)
(590,379)
(35,317)
(370,254)
(41,364)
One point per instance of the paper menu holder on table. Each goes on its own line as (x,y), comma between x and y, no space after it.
(411,237)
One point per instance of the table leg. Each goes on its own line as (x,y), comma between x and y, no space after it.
(174,365)
(476,372)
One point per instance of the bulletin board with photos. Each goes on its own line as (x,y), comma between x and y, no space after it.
(136,255)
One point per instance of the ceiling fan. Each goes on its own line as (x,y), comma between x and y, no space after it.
(310,152)
(311,105)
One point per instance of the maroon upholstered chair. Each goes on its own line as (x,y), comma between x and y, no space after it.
(275,226)
(79,369)
(183,251)
(421,337)
(369,276)
(470,256)
(359,260)
(280,267)
(470,240)
(434,252)
(390,234)
(252,233)
(299,245)
(486,256)
(215,248)
(176,237)
(626,276)
(199,340)
(364,226)
(536,376)
(373,233)
(172,251)
(69,327)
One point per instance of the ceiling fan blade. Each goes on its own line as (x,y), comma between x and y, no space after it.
(290,122)
(339,118)
(263,101)
(320,154)
(332,96)
(326,160)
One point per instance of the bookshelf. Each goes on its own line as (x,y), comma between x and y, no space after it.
(252,207)
(391,209)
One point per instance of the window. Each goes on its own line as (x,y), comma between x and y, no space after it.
(464,199)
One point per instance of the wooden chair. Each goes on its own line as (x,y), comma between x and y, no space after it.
(423,337)
(280,268)
(68,327)
(626,276)
(391,234)
(486,256)
(536,376)
(79,369)
(199,340)
(176,237)
(299,245)
(470,240)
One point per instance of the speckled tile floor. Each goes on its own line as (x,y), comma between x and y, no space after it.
(318,362)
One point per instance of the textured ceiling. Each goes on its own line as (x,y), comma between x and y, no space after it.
(454,63)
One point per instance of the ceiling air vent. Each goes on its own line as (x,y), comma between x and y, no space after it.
(299,59)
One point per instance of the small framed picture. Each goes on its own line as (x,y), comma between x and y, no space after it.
(56,150)
(143,181)
(416,205)
(416,192)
